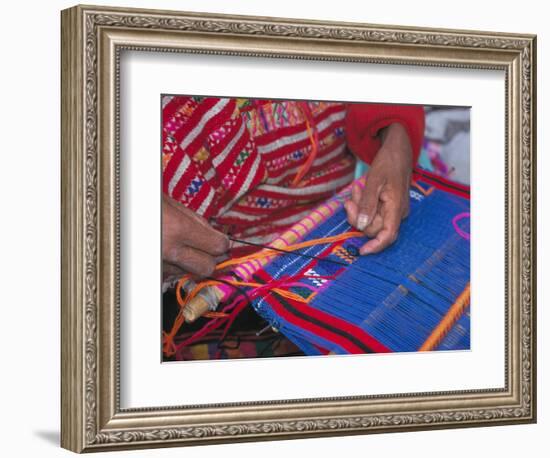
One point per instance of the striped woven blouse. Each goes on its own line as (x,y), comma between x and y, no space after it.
(254,167)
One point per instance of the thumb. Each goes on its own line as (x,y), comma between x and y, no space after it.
(368,204)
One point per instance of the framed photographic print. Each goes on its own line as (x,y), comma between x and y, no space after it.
(277,228)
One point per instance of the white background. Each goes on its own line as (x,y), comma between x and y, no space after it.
(29,242)
(145,76)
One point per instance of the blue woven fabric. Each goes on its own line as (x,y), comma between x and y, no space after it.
(397,296)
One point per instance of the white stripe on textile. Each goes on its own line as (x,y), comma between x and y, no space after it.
(209,174)
(283,141)
(166,100)
(245,186)
(206,202)
(318,161)
(295,138)
(182,167)
(314,189)
(216,109)
(221,157)
(338,116)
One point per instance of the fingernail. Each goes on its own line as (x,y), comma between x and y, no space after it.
(364,251)
(362,221)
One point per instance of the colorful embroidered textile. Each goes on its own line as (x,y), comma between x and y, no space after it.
(236,161)
(386,302)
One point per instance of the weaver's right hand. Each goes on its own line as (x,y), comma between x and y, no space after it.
(189,243)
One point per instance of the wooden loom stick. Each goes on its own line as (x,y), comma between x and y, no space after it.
(450,318)
(200,304)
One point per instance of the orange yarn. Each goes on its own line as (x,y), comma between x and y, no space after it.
(267,252)
(452,315)
(169,347)
(282,292)
(313,138)
(426,192)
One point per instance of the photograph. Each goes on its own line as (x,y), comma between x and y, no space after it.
(275,229)
(308,228)
(281,228)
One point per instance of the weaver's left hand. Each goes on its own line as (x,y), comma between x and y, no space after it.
(379,207)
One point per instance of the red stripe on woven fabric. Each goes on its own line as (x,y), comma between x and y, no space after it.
(232,127)
(172,107)
(195,118)
(324,333)
(275,171)
(180,190)
(321,350)
(337,123)
(304,143)
(291,205)
(260,224)
(302,199)
(442,184)
(268,232)
(255,229)
(193,121)
(286,203)
(228,195)
(202,108)
(279,133)
(283,210)
(446,189)
(338,170)
(306,196)
(215,121)
(348,328)
(229,161)
(171,167)
(249,209)
(354,330)
(242,174)
(197,200)
(299,144)
(332,175)
(274,134)
(270,136)
(260,230)
(174,162)
(190,174)
(444,181)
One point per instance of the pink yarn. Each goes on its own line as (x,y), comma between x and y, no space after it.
(459,231)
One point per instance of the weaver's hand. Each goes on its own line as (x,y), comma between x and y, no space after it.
(189,243)
(379,207)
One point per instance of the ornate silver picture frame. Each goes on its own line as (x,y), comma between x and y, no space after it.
(93,39)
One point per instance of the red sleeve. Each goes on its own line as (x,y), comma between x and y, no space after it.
(364,121)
